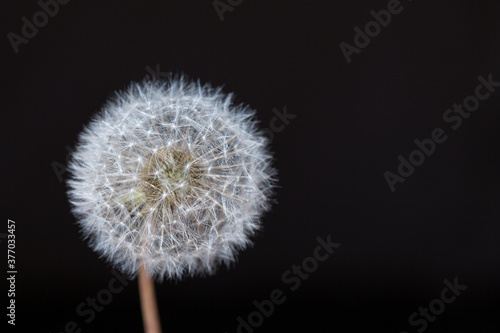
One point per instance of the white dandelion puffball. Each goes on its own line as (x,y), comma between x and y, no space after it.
(173,176)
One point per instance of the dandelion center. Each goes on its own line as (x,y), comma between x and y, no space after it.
(169,176)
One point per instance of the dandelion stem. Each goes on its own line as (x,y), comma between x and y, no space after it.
(149,307)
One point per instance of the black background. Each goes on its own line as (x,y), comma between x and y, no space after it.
(353,121)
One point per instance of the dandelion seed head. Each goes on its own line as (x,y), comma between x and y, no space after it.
(173,176)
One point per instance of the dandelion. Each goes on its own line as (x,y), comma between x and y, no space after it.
(171,177)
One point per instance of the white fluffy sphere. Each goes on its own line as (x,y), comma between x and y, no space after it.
(173,176)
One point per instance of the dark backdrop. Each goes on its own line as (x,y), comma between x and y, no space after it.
(352,122)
